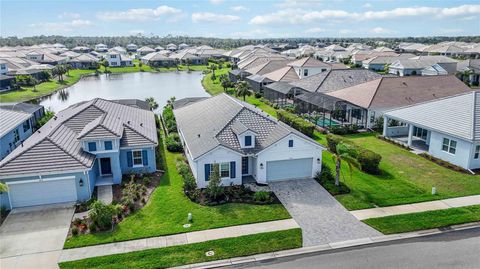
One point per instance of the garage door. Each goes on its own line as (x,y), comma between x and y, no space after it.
(51,191)
(289,169)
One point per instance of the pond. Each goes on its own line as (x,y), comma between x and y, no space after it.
(139,85)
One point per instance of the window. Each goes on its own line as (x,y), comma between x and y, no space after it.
(16,136)
(305,72)
(477,152)
(26,126)
(290,143)
(113,63)
(248,141)
(113,56)
(224,170)
(108,145)
(92,146)
(137,158)
(449,145)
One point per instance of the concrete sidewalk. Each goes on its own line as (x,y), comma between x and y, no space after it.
(175,240)
(417,207)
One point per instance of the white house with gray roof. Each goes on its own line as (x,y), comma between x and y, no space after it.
(244,142)
(88,144)
(448,128)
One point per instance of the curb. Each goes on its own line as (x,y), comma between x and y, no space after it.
(328,247)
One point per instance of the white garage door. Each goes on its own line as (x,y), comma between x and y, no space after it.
(289,169)
(49,191)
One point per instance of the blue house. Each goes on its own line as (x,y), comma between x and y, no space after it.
(17,123)
(88,144)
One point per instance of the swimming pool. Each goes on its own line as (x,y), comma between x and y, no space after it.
(326,122)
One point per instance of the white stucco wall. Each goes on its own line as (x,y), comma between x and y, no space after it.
(280,151)
(219,155)
(463,150)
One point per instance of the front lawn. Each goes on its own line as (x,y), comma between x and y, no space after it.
(167,209)
(425,220)
(195,253)
(45,88)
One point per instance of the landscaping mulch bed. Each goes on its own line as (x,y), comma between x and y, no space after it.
(155,181)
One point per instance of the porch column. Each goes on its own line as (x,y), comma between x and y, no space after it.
(385,126)
(410,135)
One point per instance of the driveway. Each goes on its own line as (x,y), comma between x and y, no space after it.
(33,237)
(322,218)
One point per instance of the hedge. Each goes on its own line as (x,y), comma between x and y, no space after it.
(296,122)
(169,119)
(173,143)
(369,160)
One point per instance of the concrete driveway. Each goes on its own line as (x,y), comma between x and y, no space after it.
(322,218)
(33,237)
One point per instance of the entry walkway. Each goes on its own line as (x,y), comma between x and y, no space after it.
(175,240)
(417,207)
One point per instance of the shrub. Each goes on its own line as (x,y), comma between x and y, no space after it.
(326,178)
(92,227)
(258,95)
(296,122)
(214,190)
(369,161)
(102,214)
(77,221)
(333,141)
(261,196)
(75,231)
(169,119)
(45,118)
(324,175)
(344,129)
(189,183)
(173,143)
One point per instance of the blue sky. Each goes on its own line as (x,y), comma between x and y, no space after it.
(241,19)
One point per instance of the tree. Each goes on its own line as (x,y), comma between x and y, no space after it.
(152,103)
(214,190)
(59,70)
(345,153)
(242,89)
(170,102)
(213,67)
(225,81)
(45,118)
(3,187)
(35,82)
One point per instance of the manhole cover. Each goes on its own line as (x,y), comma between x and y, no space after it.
(188,225)
(209,253)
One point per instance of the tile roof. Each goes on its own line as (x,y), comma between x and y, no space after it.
(212,122)
(308,62)
(10,119)
(287,74)
(56,146)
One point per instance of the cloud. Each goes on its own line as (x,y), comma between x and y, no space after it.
(367,5)
(380,30)
(61,27)
(297,16)
(299,4)
(213,18)
(239,8)
(142,14)
(250,34)
(216,2)
(69,15)
(315,30)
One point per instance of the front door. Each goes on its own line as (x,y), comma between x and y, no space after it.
(244,165)
(105,166)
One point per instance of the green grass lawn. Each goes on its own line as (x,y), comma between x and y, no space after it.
(214,87)
(195,253)
(45,88)
(147,68)
(167,210)
(425,220)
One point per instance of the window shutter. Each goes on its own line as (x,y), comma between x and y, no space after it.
(145,157)
(207,172)
(232,170)
(129,159)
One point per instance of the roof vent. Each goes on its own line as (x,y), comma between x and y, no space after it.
(128,122)
(404,83)
(55,118)
(141,124)
(198,135)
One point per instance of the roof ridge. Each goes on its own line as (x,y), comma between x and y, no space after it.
(376,90)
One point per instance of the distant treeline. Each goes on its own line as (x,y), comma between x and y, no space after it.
(226,43)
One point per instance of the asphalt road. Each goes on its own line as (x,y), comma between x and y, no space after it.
(458,249)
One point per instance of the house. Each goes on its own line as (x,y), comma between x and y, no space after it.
(84,61)
(447,128)
(117,59)
(182,46)
(101,47)
(469,71)
(243,142)
(159,48)
(414,66)
(184,57)
(131,47)
(378,63)
(309,66)
(17,123)
(45,58)
(171,47)
(118,49)
(157,59)
(145,50)
(88,144)
(81,49)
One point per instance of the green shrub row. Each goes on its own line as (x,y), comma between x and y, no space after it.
(169,119)
(173,143)
(326,178)
(369,160)
(344,129)
(296,122)
(189,183)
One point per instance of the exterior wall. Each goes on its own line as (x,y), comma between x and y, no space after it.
(114,62)
(280,151)
(150,168)
(7,143)
(451,68)
(463,150)
(474,163)
(83,193)
(311,71)
(219,155)
(375,67)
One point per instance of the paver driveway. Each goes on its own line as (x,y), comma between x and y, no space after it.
(322,218)
(33,237)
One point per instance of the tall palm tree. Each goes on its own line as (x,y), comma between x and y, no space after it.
(344,153)
(242,89)
(152,103)
(171,101)
(225,81)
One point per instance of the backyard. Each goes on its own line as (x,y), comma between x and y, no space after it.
(167,209)
(147,68)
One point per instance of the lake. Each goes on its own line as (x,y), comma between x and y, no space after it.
(139,85)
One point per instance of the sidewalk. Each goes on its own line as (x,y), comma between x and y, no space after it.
(417,207)
(175,240)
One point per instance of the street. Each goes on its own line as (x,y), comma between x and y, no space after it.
(459,249)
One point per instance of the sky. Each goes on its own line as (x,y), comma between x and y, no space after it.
(241,19)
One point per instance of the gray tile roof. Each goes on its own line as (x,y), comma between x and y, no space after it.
(210,123)
(10,119)
(56,146)
(22,107)
(455,115)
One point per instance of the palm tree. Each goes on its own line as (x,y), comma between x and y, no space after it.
(152,103)
(225,81)
(171,101)
(34,82)
(345,153)
(3,187)
(242,89)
